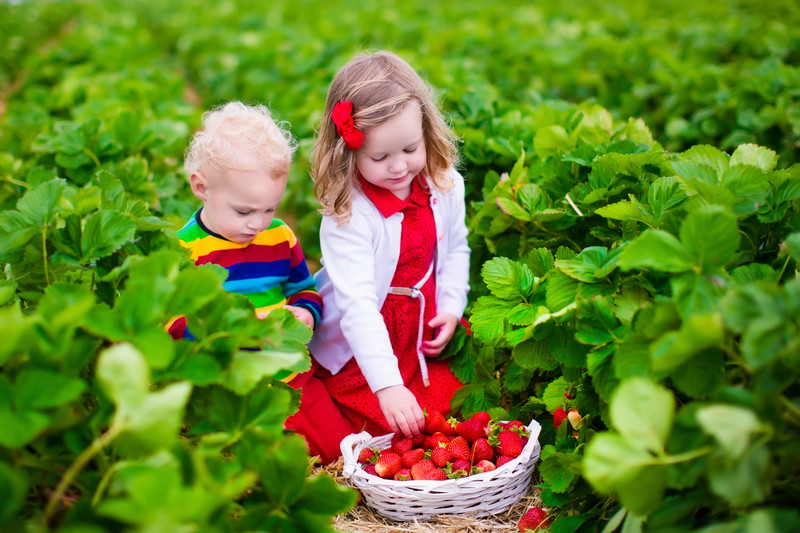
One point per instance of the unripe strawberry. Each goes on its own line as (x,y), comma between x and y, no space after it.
(404,474)
(484,466)
(462,466)
(558,417)
(533,519)
(575,419)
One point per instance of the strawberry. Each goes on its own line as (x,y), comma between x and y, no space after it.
(437,439)
(569,395)
(404,474)
(558,416)
(533,519)
(471,429)
(401,444)
(370,469)
(484,466)
(460,467)
(367,455)
(575,419)
(388,464)
(508,443)
(503,459)
(459,447)
(436,474)
(512,424)
(482,417)
(412,456)
(481,449)
(420,469)
(417,441)
(441,456)
(435,422)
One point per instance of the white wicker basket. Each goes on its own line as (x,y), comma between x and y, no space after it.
(476,495)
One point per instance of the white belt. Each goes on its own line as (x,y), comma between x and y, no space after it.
(416,292)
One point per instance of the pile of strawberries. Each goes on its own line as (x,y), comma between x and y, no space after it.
(448,448)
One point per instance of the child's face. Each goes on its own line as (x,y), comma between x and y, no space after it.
(238,204)
(393,152)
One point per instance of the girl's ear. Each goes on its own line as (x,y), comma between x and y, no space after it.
(199,185)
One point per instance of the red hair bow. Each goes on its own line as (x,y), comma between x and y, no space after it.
(342,115)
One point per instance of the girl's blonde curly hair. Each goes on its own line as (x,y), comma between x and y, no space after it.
(241,137)
(379,85)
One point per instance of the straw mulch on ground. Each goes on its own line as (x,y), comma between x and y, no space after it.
(361,519)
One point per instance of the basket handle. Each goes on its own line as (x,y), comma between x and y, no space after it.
(347,445)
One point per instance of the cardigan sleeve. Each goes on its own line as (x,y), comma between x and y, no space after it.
(348,253)
(452,272)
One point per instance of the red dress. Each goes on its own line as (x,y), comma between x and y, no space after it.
(349,388)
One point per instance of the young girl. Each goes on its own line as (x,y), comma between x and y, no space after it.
(395,257)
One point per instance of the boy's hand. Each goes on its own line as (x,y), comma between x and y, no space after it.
(302,314)
(446,324)
(401,410)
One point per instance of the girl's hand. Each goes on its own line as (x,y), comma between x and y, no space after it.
(303,315)
(444,324)
(401,410)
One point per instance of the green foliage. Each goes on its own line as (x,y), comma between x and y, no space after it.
(667,316)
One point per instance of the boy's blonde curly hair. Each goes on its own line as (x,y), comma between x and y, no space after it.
(240,137)
(379,85)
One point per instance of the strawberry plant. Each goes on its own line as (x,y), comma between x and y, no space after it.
(648,328)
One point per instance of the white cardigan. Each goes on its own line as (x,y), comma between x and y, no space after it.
(359,261)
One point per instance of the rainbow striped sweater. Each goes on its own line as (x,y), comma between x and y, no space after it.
(270,270)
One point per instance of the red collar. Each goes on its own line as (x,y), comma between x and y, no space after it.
(388,204)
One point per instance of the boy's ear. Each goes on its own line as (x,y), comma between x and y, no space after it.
(199,185)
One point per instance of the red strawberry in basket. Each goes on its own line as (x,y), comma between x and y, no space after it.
(503,459)
(515,424)
(437,474)
(389,463)
(482,417)
(421,469)
(533,519)
(411,457)
(508,443)
(459,447)
(437,439)
(435,422)
(401,444)
(481,449)
(471,429)
(367,455)
(441,456)
(370,469)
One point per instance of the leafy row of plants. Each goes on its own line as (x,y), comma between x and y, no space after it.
(108,425)
(656,293)
(94,394)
